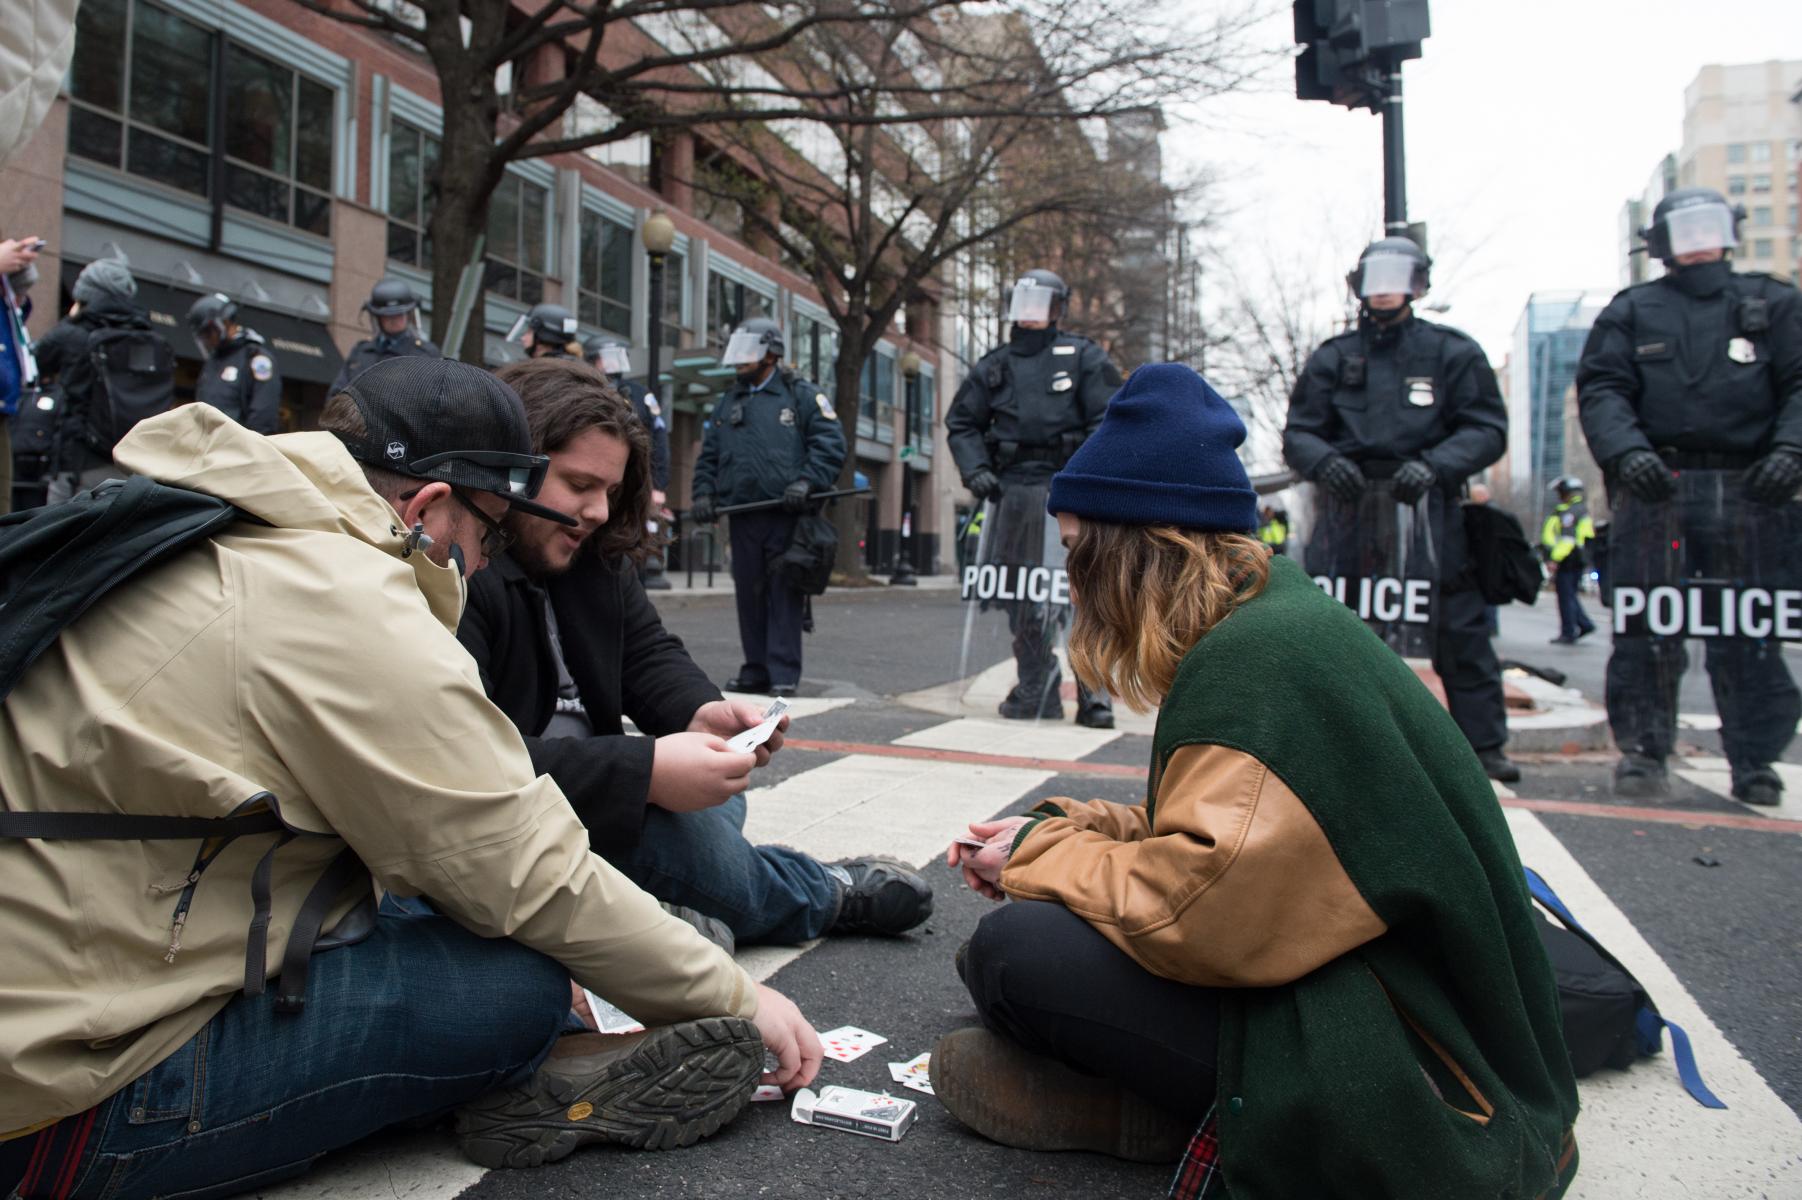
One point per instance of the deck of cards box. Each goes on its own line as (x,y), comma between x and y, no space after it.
(873,1114)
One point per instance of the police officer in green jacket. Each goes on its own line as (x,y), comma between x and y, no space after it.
(771,437)
(1567,531)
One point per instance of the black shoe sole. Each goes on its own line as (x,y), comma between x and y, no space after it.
(679,1085)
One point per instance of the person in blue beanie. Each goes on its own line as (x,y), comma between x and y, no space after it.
(1250,972)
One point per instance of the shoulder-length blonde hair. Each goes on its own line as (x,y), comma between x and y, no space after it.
(1145,594)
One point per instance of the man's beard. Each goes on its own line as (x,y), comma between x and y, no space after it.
(529,553)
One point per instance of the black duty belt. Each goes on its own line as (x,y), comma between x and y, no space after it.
(1698,460)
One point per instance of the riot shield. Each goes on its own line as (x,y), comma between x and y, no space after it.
(1708,563)
(1016,616)
(1381,558)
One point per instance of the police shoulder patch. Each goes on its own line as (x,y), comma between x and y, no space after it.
(651,406)
(826,409)
(263,367)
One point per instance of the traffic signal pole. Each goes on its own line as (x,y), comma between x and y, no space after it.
(1395,163)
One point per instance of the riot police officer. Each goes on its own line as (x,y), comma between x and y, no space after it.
(1017,418)
(1564,542)
(1404,399)
(547,331)
(1699,372)
(391,307)
(772,437)
(239,377)
(612,357)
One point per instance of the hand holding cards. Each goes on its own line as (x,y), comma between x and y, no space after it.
(758,734)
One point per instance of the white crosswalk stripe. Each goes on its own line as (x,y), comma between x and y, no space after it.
(1717,776)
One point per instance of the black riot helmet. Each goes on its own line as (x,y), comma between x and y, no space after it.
(751,341)
(390,298)
(1570,485)
(1038,295)
(1689,220)
(211,314)
(610,355)
(1391,266)
(552,327)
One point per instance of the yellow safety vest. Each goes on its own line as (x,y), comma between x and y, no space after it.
(1568,528)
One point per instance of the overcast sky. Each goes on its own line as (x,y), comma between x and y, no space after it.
(1528,123)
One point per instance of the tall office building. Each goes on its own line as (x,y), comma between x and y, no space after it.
(1542,369)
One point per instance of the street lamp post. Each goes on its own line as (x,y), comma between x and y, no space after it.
(903,574)
(659,234)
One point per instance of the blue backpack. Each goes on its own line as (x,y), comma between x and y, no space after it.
(1609,1020)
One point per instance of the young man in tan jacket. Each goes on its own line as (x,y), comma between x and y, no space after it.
(298,671)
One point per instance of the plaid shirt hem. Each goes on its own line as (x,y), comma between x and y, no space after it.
(1199,1176)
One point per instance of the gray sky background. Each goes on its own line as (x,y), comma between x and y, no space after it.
(1528,124)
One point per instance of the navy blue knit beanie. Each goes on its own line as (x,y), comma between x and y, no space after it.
(1165,454)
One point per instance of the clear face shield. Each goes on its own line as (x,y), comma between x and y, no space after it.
(1702,228)
(1386,275)
(1031,301)
(615,361)
(743,349)
(520,325)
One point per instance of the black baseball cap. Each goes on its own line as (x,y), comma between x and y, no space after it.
(441,420)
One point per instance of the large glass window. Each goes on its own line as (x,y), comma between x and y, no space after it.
(729,304)
(412,194)
(876,398)
(147,110)
(814,350)
(675,289)
(278,142)
(604,283)
(517,248)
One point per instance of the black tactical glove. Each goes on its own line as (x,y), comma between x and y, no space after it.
(1414,480)
(794,499)
(983,484)
(1773,479)
(701,511)
(1646,476)
(1340,476)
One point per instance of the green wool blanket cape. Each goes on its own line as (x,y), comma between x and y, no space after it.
(1331,1086)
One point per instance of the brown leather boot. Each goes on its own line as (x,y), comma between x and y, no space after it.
(1019,1099)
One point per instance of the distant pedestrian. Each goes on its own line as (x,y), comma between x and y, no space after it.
(18,366)
(1564,541)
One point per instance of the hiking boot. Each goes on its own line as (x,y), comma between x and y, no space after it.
(1759,786)
(1638,776)
(711,928)
(656,1090)
(879,895)
(1499,766)
(1019,1099)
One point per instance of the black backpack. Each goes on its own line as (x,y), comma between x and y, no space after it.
(1609,1020)
(134,378)
(1502,563)
(812,551)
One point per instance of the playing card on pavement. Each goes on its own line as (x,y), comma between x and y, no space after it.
(915,1073)
(848,1042)
(766,1091)
(609,1019)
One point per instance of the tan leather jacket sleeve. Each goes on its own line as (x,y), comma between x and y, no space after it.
(391,738)
(1234,884)
(1121,822)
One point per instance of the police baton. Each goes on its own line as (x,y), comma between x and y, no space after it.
(759,505)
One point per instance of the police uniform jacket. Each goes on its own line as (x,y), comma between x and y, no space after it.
(1025,408)
(370,351)
(1414,391)
(760,441)
(241,381)
(650,414)
(1716,375)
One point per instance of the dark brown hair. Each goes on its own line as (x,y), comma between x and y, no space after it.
(565,398)
(1145,594)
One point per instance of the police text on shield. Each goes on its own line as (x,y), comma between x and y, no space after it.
(1708,610)
(1382,598)
(1035,585)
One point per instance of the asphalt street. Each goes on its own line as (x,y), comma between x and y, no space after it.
(864,774)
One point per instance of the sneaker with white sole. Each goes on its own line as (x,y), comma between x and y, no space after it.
(654,1090)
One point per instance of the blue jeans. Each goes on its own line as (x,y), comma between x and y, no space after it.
(1572,620)
(418,1018)
(702,860)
